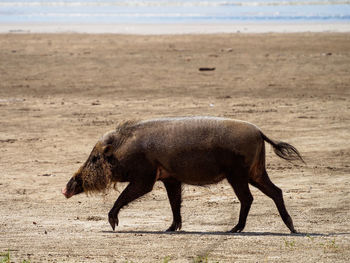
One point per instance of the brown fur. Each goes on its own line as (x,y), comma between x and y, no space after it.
(96,180)
(100,180)
(258,166)
(194,150)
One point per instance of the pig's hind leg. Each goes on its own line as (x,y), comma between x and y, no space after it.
(239,183)
(264,184)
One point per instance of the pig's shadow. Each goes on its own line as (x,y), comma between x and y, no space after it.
(217,233)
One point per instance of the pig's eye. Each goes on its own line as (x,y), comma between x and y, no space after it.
(94,159)
(112,160)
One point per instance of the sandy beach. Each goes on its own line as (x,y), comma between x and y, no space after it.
(177,29)
(60,92)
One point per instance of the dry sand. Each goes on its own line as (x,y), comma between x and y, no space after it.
(60,93)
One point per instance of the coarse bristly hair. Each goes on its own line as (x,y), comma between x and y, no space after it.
(124,127)
(123,130)
(97,180)
(101,180)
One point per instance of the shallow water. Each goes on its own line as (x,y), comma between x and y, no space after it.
(172,11)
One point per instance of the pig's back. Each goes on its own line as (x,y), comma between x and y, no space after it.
(165,138)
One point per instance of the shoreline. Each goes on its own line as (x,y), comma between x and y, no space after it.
(177,29)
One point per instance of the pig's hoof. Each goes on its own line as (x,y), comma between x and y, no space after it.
(113,221)
(236,229)
(293,231)
(174,226)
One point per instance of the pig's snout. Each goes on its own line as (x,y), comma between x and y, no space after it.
(65,193)
(73,187)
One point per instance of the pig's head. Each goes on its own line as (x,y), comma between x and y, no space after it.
(96,173)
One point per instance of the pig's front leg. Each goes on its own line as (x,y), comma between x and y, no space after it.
(133,191)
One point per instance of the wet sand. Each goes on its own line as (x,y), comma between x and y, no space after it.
(178,28)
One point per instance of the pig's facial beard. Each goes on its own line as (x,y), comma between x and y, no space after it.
(95,179)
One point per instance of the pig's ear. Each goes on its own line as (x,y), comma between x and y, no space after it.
(108,150)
